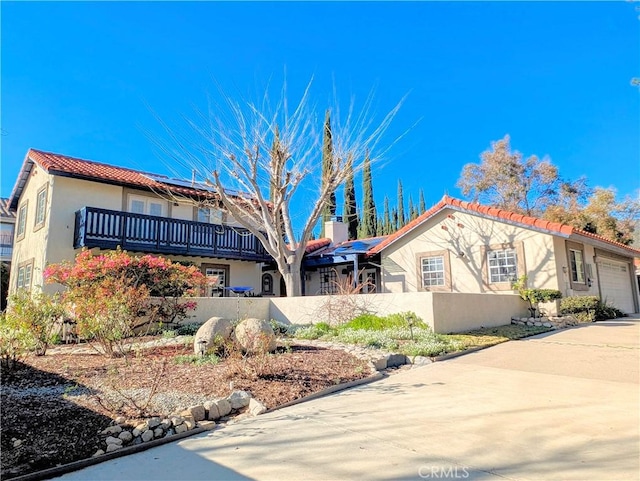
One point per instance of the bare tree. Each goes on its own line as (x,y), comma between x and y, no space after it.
(265,162)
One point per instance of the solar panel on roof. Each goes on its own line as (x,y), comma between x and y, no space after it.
(163,179)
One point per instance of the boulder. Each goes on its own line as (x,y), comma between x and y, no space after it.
(197,412)
(256,407)
(212,410)
(112,430)
(211,335)
(255,336)
(181,428)
(112,440)
(239,399)
(158,432)
(224,407)
(153,422)
(147,435)
(126,436)
(113,447)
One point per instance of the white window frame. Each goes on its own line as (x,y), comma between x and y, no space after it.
(25,275)
(147,202)
(435,270)
(21,224)
(41,207)
(499,273)
(209,215)
(577,266)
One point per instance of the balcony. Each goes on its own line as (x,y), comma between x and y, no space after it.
(108,229)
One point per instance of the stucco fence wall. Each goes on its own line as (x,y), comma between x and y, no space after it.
(443,311)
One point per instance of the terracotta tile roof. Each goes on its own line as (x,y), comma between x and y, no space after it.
(315,244)
(500,214)
(5,211)
(90,170)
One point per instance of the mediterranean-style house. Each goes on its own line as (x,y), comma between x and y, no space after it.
(464,247)
(64,204)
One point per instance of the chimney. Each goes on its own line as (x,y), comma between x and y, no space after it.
(336,230)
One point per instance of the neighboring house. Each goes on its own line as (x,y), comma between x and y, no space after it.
(64,204)
(329,265)
(7,224)
(459,246)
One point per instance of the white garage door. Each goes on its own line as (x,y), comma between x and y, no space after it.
(615,283)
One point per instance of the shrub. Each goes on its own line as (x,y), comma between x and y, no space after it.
(535,296)
(37,312)
(313,331)
(188,329)
(377,323)
(109,294)
(588,308)
(16,340)
(197,360)
(279,328)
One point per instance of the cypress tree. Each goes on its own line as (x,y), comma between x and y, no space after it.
(401,218)
(423,206)
(413,213)
(350,211)
(386,219)
(394,220)
(369,216)
(327,171)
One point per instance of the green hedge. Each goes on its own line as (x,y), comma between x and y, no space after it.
(588,308)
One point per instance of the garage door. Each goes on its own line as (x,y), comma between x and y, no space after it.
(615,284)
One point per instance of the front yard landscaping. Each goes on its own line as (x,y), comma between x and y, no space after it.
(405,334)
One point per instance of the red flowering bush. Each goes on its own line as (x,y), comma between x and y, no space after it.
(113,294)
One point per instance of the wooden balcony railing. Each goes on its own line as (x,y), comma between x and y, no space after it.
(108,229)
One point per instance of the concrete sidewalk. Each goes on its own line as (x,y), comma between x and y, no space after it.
(559,406)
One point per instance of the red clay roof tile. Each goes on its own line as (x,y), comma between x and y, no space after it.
(90,170)
(500,214)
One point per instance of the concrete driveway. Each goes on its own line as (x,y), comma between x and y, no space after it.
(558,406)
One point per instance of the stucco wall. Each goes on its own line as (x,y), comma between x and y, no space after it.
(444,312)
(464,236)
(33,245)
(229,308)
(454,312)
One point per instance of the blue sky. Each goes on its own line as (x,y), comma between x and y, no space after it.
(80,78)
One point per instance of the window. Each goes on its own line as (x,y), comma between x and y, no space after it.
(139,204)
(41,207)
(217,276)
(209,215)
(267,284)
(433,271)
(577,266)
(25,272)
(328,280)
(22,220)
(503,265)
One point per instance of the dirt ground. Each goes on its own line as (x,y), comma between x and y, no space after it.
(53,407)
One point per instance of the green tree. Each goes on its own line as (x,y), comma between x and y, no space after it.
(423,206)
(394,219)
(350,211)
(369,216)
(329,209)
(401,217)
(413,212)
(386,218)
(504,179)
(600,214)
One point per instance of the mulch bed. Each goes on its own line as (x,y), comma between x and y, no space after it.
(54,406)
